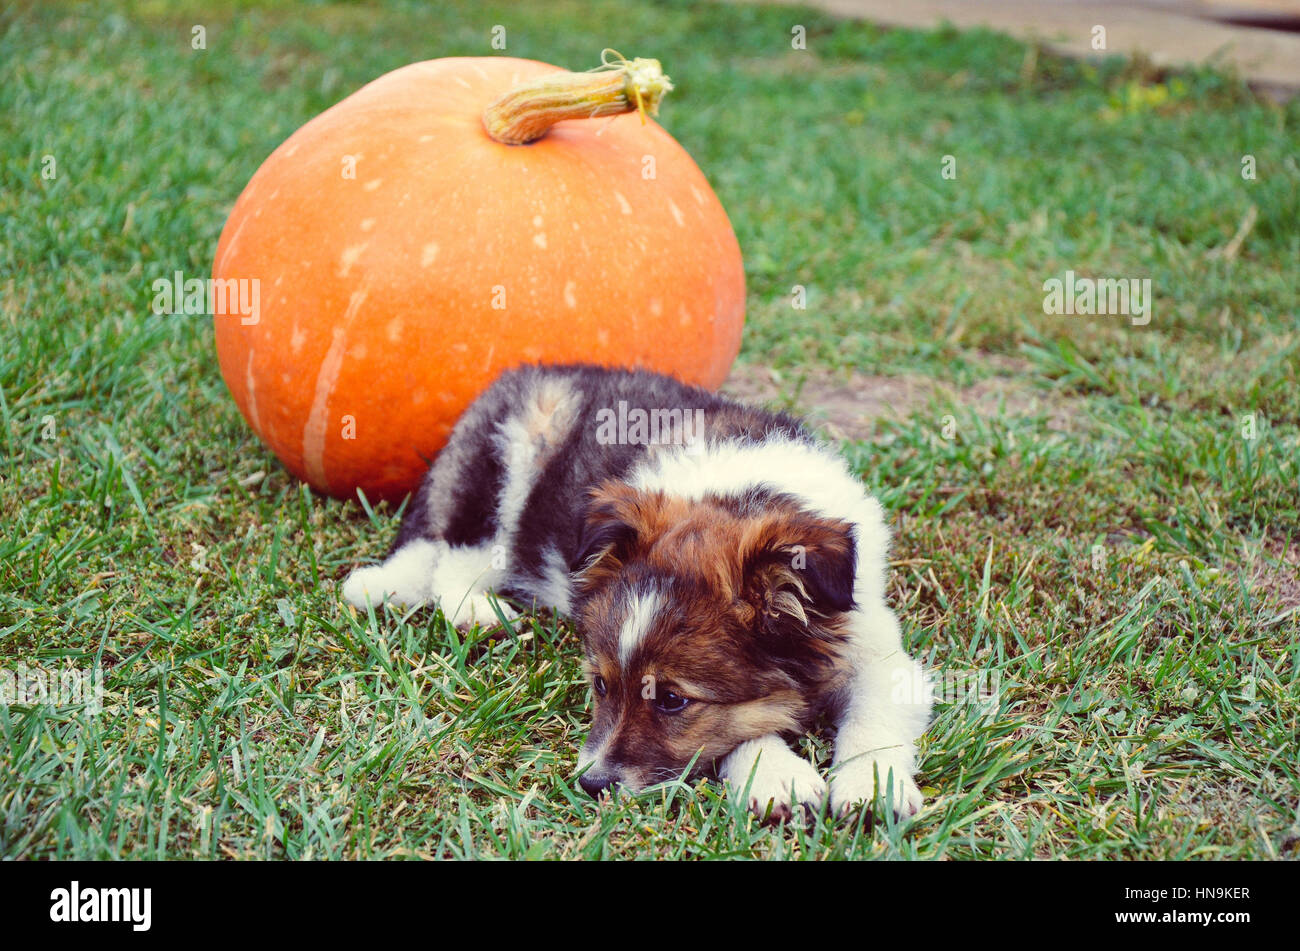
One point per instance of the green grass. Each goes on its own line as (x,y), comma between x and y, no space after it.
(1147,707)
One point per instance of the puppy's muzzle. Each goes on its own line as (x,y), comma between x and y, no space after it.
(595,782)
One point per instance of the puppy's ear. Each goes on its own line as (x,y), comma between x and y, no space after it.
(799,572)
(610,529)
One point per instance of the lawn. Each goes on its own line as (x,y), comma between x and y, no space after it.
(1097,519)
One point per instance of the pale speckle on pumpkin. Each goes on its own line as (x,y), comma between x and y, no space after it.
(349,258)
(699,196)
(425,138)
(683,317)
(358,352)
(537,221)
(539,239)
(570,297)
(462,82)
(622,203)
(313,433)
(250,381)
(373,184)
(327,377)
(479,69)
(602,337)
(656,306)
(367,224)
(394,330)
(298,338)
(677,213)
(230,246)
(428,254)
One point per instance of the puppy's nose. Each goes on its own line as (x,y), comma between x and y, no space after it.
(595,783)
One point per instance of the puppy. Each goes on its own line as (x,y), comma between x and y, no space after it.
(726,574)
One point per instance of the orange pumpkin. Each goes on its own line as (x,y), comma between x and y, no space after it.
(406,256)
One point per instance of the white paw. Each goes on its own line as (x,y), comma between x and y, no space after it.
(374,585)
(777,784)
(854,782)
(403,578)
(476,609)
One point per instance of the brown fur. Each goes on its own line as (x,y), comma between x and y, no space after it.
(747,629)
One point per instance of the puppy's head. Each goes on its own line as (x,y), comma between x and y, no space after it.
(704,624)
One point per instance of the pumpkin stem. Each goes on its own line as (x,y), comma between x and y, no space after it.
(618,85)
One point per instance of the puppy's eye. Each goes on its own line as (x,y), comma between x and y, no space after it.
(669,702)
(599,684)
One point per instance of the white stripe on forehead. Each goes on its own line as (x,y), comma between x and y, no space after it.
(641,610)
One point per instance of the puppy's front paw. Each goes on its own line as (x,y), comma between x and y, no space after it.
(854,783)
(369,585)
(403,579)
(779,783)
